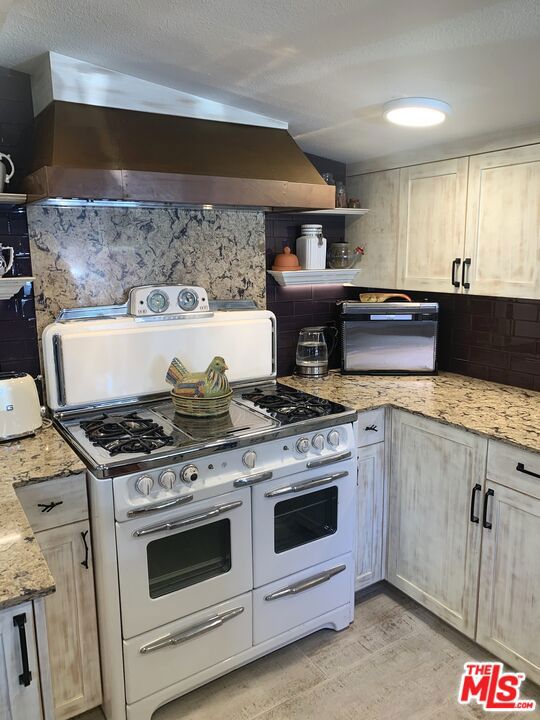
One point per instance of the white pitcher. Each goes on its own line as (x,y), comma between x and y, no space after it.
(5,174)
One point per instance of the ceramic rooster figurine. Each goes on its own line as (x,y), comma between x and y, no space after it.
(210,384)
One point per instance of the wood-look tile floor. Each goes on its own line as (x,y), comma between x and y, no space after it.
(396,662)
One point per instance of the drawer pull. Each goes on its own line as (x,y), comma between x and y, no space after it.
(160,506)
(252,479)
(306,584)
(212,623)
(373,428)
(520,467)
(307,485)
(25,678)
(485,523)
(476,489)
(84,563)
(47,507)
(189,519)
(329,460)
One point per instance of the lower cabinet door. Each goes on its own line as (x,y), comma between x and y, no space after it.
(20,697)
(369,545)
(435,532)
(71,620)
(509,601)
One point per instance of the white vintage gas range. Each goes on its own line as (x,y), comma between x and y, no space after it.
(215,541)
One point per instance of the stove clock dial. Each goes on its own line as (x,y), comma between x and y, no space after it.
(167,479)
(318,441)
(144,485)
(189,474)
(333,438)
(302,445)
(157,301)
(249,459)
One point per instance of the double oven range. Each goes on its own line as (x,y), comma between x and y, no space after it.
(217,540)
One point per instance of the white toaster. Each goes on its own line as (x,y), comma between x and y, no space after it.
(20,410)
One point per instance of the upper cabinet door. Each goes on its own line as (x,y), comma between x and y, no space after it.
(377,231)
(432,209)
(503,223)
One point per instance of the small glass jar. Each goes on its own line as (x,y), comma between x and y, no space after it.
(341,256)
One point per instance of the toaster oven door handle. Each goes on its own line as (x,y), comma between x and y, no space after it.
(306,584)
(160,506)
(194,631)
(307,485)
(328,460)
(189,519)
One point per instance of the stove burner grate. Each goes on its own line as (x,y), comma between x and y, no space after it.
(125,434)
(290,407)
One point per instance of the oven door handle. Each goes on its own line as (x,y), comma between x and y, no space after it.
(189,519)
(307,485)
(253,479)
(160,506)
(328,460)
(306,584)
(194,631)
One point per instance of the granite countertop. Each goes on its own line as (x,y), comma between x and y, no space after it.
(496,411)
(24,574)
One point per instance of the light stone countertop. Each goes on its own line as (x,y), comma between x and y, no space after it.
(500,412)
(24,574)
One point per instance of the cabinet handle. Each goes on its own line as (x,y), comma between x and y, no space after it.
(47,507)
(464,273)
(455,265)
(25,678)
(373,428)
(476,489)
(520,467)
(84,563)
(485,523)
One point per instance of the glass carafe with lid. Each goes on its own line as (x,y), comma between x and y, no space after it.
(312,352)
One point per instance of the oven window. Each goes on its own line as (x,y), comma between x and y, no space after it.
(301,520)
(189,557)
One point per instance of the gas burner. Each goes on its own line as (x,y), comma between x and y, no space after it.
(290,406)
(125,434)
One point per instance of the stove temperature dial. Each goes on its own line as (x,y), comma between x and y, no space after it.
(167,479)
(302,445)
(333,438)
(189,474)
(249,459)
(144,485)
(318,441)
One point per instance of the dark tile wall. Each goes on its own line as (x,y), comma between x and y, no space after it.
(18,342)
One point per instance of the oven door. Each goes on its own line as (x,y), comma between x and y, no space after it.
(183,561)
(302,520)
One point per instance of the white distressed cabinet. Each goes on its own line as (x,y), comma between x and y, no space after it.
(20,697)
(503,223)
(370,541)
(436,483)
(432,211)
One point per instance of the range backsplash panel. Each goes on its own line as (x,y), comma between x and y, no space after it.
(92,256)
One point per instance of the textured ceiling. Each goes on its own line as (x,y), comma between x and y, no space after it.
(325,66)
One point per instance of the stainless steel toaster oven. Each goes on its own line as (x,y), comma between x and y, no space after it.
(389,338)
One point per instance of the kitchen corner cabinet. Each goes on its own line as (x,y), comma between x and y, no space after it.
(378,230)
(20,697)
(432,211)
(369,550)
(502,238)
(436,480)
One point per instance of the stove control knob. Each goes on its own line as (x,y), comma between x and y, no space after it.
(249,459)
(302,445)
(318,441)
(333,438)
(144,484)
(189,474)
(167,479)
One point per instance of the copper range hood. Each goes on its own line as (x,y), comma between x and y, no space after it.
(89,153)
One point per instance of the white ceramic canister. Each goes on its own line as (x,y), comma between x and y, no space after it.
(311,248)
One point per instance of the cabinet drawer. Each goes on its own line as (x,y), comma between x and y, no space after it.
(202,640)
(515,468)
(294,600)
(370,427)
(56,502)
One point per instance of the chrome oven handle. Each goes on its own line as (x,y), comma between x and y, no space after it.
(253,479)
(306,584)
(307,485)
(189,519)
(160,506)
(194,631)
(328,460)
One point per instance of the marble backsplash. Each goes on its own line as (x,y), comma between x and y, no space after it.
(92,256)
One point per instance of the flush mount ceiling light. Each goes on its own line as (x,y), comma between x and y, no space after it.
(416,112)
